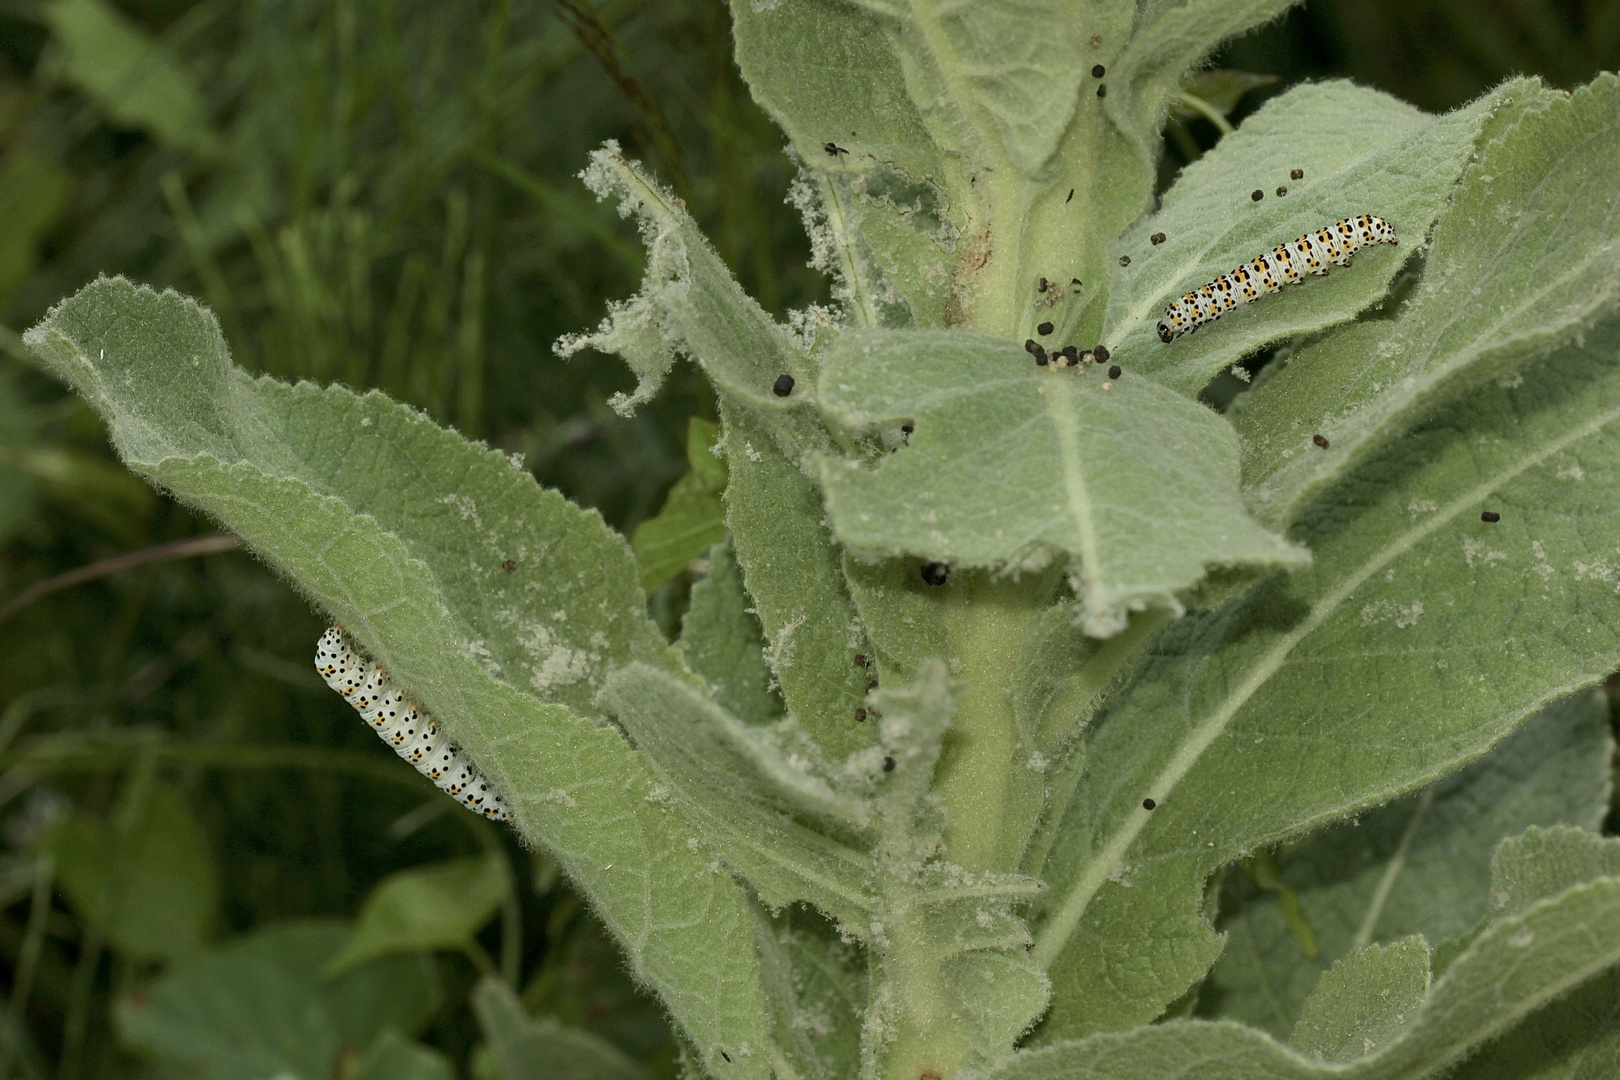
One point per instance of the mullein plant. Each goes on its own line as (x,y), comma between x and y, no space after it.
(1024,683)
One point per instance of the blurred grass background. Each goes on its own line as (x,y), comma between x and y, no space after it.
(382,192)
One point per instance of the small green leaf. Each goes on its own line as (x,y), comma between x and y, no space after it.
(1221,88)
(149,884)
(1523,261)
(424,908)
(1363,152)
(1015,464)
(721,639)
(1365,1001)
(134,79)
(692,519)
(524,1048)
(260,1007)
(391,1056)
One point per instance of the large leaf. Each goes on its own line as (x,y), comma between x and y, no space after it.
(1524,260)
(1239,729)
(1421,865)
(1362,152)
(498,604)
(1515,968)
(426,908)
(148,881)
(1014,464)
(260,1007)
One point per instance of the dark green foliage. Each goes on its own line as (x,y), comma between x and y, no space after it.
(383,193)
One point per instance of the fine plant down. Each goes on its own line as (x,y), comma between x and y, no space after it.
(1052,700)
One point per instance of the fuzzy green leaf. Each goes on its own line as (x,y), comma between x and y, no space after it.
(403,531)
(1517,967)
(1524,259)
(1365,1001)
(1362,151)
(817,985)
(1238,728)
(1543,862)
(1011,463)
(1421,865)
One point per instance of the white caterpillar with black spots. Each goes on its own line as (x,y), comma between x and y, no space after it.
(1282,265)
(405,725)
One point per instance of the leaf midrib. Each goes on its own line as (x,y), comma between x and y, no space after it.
(1054,935)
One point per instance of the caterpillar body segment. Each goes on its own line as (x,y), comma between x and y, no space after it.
(1283,265)
(405,725)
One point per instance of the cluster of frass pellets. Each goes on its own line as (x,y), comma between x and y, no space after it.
(405,725)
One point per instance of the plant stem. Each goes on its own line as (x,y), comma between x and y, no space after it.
(986,621)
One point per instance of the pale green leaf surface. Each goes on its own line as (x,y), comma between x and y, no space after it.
(441,906)
(524,1048)
(402,529)
(793,571)
(1421,638)
(1543,862)
(1421,865)
(150,884)
(1364,1001)
(136,80)
(260,1007)
(1363,152)
(1009,66)
(1515,968)
(826,72)
(1168,38)
(817,985)
(721,639)
(749,794)
(1524,259)
(1012,463)
(391,1056)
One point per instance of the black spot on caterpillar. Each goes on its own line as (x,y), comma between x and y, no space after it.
(405,725)
(1282,265)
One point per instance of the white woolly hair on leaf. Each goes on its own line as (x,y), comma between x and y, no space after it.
(639,329)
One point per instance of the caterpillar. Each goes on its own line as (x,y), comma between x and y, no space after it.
(405,725)
(1267,273)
